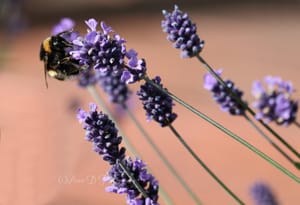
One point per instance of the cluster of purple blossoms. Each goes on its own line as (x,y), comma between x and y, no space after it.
(138,170)
(274,102)
(182,32)
(101,131)
(262,194)
(222,96)
(106,52)
(157,104)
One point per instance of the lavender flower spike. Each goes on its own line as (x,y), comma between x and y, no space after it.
(182,32)
(121,183)
(127,176)
(158,105)
(274,101)
(262,194)
(101,131)
(222,96)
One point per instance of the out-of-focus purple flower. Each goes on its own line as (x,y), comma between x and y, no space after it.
(87,77)
(116,89)
(65,24)
(106,51)
(262,194)
(183,32)
(121,183)
(158,106)
(274,102)
(65,28)
(101,131)
(222,96)
(12,17)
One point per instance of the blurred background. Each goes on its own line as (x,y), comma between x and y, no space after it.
(44,158)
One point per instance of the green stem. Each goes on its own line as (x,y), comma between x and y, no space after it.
(92,90)
(195,156)
(220,80)
(226,131)
(271,142)
(132,179)
(166,162)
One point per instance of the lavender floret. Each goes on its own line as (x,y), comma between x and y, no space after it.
(182,32)
(158,105)
(222,96)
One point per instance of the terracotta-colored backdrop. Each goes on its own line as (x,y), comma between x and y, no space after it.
(45,160)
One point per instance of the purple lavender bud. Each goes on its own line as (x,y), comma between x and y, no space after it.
(274,102)
(136,68)
(121,184)
(222,96)
(101,131)
(182,32)
(158,106)
(262,194)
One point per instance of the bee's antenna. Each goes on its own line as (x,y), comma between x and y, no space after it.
(45,72)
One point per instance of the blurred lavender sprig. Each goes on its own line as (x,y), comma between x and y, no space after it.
(229,104)
(274,101)
(262,194)
(222,96)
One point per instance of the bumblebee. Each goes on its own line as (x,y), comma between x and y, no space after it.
(58,63)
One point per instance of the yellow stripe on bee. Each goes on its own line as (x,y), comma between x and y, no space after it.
(46,44)
(52,73)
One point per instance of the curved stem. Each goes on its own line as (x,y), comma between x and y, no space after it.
(162,157)
(205,167)
(220,80)
(226,131)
